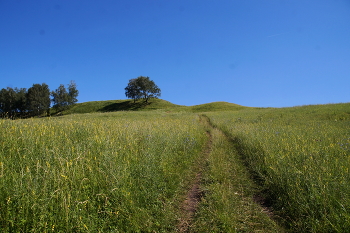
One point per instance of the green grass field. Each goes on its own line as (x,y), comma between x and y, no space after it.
(116,166)
(95,172)
(301,157)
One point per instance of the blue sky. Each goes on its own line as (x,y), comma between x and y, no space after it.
(259,53)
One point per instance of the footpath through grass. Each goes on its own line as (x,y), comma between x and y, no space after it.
(227,204)
(119,172)
(129,171)
(301,158)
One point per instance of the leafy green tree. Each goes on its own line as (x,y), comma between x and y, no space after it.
(60,98)
(38,99)
(63,99)
(142,88)
(21,101)
(7,102)
(12,102)
(132,90)
(72,93)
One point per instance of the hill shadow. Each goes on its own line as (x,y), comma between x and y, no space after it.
(124,106)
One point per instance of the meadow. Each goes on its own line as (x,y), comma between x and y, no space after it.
(95,172)
(300,157)
(129,171)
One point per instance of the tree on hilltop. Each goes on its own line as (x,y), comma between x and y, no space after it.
(13,102)
(7,101)
(21,101)
(72,93)
(132,90)
(142,88)
(63,99)
(38,99)
(60,98)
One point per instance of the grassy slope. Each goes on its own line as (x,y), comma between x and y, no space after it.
(302,137)
(216,106)
(99,172)
(154,104)
(301,154)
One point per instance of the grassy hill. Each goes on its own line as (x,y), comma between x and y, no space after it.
(216,106)
(133,170)
(119,105)
(154,104)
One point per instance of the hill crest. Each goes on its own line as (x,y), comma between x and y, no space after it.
(154,104)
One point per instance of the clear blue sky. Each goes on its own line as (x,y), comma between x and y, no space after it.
(260,53)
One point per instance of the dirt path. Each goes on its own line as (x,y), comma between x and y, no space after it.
(194,194)
(250,212)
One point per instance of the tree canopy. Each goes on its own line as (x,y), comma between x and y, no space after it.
(20,102)
(142,88)
(63,99)
(38,98)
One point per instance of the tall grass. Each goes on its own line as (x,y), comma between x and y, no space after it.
(126,171)
(302,157)
(118,172)
(228,204)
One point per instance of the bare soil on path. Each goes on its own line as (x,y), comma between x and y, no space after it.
(194,194)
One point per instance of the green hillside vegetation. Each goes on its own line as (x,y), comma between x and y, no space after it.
(126,167)
(154,104)
(121,105)
(216,106)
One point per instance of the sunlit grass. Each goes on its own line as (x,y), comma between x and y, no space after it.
(153,104)
(302,156)
(228,204)
(95,172)
(128,171)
